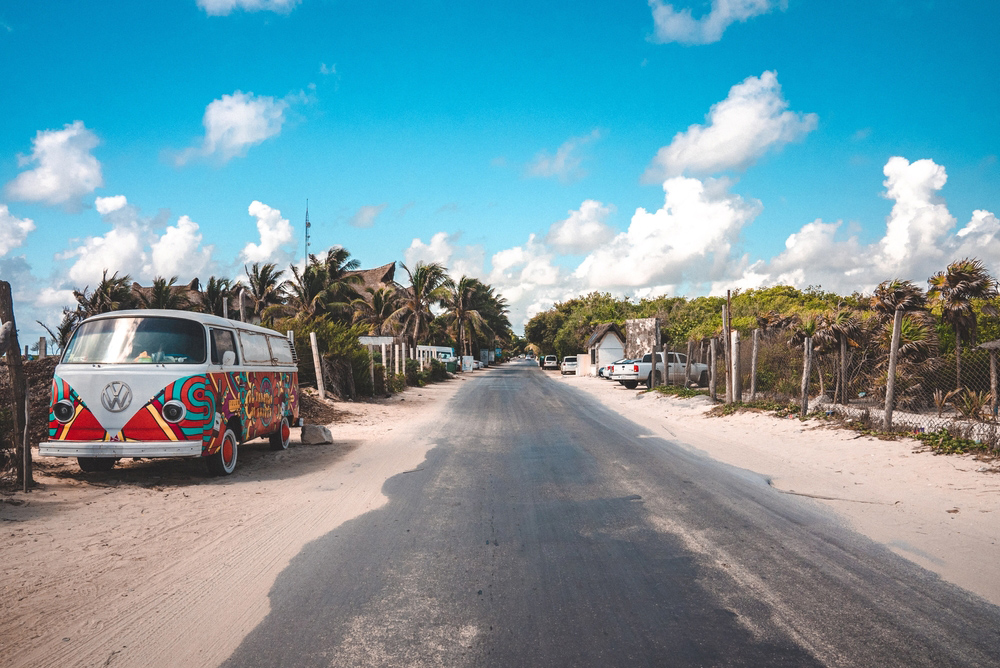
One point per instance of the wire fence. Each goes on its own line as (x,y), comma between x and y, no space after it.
(956,390)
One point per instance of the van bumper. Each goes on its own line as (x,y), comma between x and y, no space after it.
(120,449)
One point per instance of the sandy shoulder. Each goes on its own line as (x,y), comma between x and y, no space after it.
(940,512)
(156,564)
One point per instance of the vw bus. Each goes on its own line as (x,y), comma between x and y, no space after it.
(164,383)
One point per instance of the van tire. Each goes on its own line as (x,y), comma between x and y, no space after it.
(630,384)
(279,439)
(96,464)
(223,462)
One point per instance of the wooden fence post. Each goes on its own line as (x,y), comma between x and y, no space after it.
(711,370)
(806,372)
(890,383)
(737,373)
(725,353)
(319,368)
(753,364)
(18,389)
(687,365)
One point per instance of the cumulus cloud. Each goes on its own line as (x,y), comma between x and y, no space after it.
(275,232)
(918,241)
(366,215)
(584,230)
(752,120)
(64,169)
(13,230)
(445,249)
(134,246)
(178,251)
(234,123)
(224,7)
(672,25)
(565,164)
(684,242)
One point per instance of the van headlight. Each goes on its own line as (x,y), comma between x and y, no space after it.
(174,411)
(63,410)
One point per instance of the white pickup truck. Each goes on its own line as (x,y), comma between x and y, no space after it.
(630,374)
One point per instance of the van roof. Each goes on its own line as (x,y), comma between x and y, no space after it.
(204,318)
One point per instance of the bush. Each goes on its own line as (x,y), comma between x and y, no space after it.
(412,373)
(339,344)
(438,371)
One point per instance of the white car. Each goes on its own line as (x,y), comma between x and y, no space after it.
(568,365)
(550,362)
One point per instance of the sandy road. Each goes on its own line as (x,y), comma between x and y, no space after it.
(158,565)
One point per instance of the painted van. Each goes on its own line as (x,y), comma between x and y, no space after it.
(164,383)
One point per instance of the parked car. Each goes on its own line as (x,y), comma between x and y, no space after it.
(605,371)
(550,362)
(568,365)
(631,373)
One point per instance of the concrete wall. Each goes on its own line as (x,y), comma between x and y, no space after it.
(642,336)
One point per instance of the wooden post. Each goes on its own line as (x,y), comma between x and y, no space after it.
(652,369)
(890,383)
(993,381)
(371,366)
(753,364)
(18,389)
(737,374)
(687,364)
(806,372)
(243,315)
(725,351)
(711,370)
(319,368)
(843,370)
(665,376)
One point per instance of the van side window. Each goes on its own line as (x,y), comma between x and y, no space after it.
(223,340)
(281,351)
(255,348)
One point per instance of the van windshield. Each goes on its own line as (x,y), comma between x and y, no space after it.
(137,340)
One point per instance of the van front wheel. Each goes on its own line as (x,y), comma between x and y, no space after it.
(279,439)
(223,462)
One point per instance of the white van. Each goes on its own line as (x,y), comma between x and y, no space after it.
(164,383)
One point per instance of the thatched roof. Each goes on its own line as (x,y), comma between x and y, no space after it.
(601,331)
(990,345)
(376,278)
(191,291)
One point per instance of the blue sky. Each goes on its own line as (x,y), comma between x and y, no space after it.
(548,148)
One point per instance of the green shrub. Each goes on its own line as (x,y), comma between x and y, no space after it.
(438,371)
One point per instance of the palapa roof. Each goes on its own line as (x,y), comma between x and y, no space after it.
(191,291)
(990,345)
(376,278)
(603,330)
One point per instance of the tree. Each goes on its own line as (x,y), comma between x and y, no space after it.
(264,286)
(163,295)
(952,292)
(111,294)
(341,285)
(60,337)
(459,312)
(426,288)
(307,288)
(217,293)
(378,310)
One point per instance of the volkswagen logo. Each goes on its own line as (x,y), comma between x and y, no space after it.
(116,396)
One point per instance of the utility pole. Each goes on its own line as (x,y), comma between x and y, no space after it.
(305,258)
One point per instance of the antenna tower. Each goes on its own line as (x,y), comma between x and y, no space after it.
(308,225)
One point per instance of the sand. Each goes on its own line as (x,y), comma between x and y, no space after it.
(155,564)
(159,565)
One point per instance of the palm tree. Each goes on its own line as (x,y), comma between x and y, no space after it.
(111,294)
(60,337)
(307,289)
(843,329)
(377,310)
(216,294)
(163,295)
(459,311)
(897,294)
(341,284)
(425,289)
(264,286)
(952,291)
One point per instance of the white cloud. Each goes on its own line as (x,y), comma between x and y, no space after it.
(105,205)
(274,231)
(584,230)
(224,7)
(565,164)
(459,260)
(327,69)
(234,123)
(13,230)
(366,215)
(64,168)
(674,25)
(685,242)
(178,251)
(752,120)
